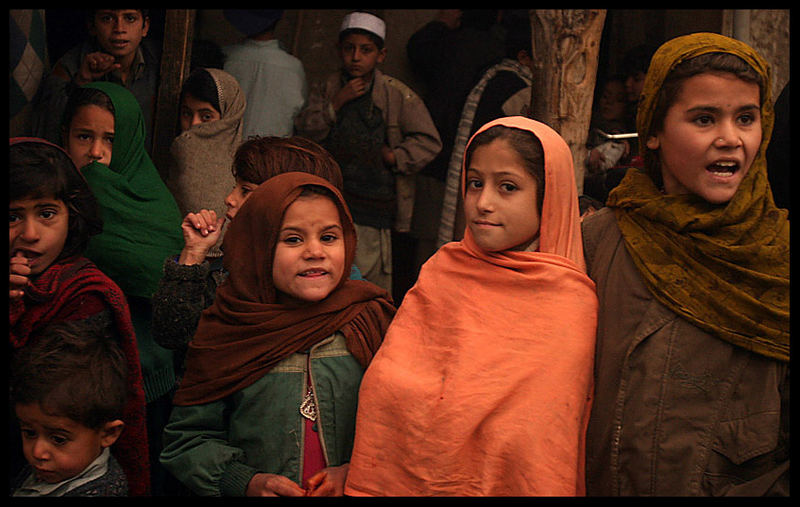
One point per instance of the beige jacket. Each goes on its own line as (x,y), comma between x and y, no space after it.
(676,411)
(410,130)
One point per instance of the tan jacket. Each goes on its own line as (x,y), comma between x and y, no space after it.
(676,411)
(410,130)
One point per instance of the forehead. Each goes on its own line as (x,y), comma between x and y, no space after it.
(35,202)
(712,86)
(357,39)
(311,208)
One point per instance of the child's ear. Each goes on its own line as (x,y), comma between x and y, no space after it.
(110,432)
(381,55)
(653,142)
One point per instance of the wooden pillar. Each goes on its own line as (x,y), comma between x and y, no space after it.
(565,48)
(175,59)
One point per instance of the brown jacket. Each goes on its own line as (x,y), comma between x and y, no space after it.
(676,411)
(410,132)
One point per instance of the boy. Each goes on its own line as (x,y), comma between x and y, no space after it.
(379,132)
(68,390)
(116,51)
(273,81)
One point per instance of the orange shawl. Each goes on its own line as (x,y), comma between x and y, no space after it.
(483,384)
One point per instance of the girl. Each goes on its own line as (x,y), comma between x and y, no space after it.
(141,224)
(211,111)
(189,282)
(52,215)
(483,384)
(272,374)
(691,261)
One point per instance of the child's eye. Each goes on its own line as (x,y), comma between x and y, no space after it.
(474,184)
(28,433)
(329,238)
(747,119)
(48,214)
(13,218)
(292,240)
(508,187)
(704,120)
(59,440)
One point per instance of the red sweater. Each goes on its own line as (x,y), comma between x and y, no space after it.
(74,289)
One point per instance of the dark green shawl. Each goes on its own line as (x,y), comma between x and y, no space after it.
(141,222)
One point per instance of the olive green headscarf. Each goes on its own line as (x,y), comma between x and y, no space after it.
(141,222)
(724,268)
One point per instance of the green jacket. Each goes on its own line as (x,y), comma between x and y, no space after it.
(216,448)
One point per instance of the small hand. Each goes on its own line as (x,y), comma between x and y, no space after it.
(201,231)
(19,274)
(96,65)
(328,481)
(272,485)
(354,88)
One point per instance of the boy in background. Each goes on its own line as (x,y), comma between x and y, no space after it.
(380,133)
(68,390)
(116,50)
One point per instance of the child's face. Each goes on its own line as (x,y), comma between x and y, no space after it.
(195,112)
(119,31)
(634,84)
(612,101)
(710,136)
(37,230)
(360,55)
(500,201)
(240,193)
(310,252)
(91,136)
(59,448)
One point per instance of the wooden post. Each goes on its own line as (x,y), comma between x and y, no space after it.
(565,48)
(175,59)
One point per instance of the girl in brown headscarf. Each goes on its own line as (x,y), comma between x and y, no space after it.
(272,375)
(691,261)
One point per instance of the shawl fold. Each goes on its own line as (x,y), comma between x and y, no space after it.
(141,222)
(45,301)
(483,384)
(246,331)
(724,268)
(201,176)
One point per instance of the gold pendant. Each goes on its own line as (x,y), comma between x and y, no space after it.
(308,408)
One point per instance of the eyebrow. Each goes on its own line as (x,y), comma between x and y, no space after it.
(714,109)
(48,204)
(300,229)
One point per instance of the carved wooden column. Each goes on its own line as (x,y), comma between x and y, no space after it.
(565,47)
(175,60)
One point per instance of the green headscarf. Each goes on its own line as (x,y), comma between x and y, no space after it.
(724,268)
(141,222)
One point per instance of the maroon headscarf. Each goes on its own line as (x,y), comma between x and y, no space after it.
(246,331)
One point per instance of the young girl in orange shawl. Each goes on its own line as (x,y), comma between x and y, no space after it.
(483,383)
(267,405)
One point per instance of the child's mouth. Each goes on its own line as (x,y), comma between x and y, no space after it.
(313,273)
(723,168)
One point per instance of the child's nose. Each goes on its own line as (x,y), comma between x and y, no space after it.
(485,200)
(96,150)
(30,231)
(313,249)
(40,450)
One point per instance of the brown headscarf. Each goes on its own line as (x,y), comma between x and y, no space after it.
(724,268)
(246,331)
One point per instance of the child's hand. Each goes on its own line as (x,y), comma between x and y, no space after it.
(389,158)
(19,273)
(201,231)
(94,66)
(328,481)
(354,88)
(272,485)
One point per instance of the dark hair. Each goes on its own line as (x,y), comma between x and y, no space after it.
(260,158)
(673,83)
(38,170)
(80,97)
(637,60)
(73,369)
(201,85)
(208,54)
(525,143)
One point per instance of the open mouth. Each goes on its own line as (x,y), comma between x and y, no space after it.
(313,273)
(723,168)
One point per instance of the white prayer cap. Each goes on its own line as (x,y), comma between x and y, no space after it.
(364,21)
